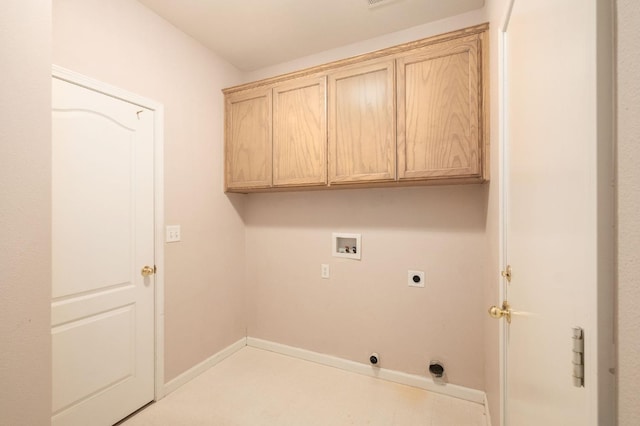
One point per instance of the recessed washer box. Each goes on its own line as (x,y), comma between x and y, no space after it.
(346,245)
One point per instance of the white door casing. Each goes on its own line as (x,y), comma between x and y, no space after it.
(103,234)
(555,236)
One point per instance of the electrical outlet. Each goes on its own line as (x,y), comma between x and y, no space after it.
(324,271)
(415,278)
(173,234)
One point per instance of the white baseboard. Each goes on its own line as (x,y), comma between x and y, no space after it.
(426,383)
(198,369)
(461,392)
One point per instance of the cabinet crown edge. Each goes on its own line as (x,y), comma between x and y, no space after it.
(389,51)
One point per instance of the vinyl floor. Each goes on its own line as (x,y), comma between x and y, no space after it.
(254,387)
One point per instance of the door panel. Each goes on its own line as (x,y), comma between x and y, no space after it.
(102,225)
(102,364)
(550,202)
(98,215)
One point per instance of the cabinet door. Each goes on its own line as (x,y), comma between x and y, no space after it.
(248,139)
(300,133)
(439,122)
(362,145)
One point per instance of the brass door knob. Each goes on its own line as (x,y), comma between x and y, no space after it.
(148,270)
(505,311)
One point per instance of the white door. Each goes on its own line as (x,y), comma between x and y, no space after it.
(551,205)
(102,306)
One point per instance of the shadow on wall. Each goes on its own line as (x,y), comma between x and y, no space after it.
(238,202)
(454,208)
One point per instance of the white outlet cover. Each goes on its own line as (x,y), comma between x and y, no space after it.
(324,271)
(415,278)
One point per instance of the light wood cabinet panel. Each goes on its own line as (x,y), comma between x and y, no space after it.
(300,133)
(248,140)
(362,123)
(439,111)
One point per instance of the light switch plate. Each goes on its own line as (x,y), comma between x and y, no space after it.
(172,234)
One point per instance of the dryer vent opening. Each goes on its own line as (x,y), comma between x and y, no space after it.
(436,369)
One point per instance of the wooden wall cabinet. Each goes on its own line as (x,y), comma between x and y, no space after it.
(439,105)
(300,133)
(248,143)
(362,140)
(276,136)
(412,114)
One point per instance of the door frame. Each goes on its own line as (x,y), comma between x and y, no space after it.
(502,205)
(158,190)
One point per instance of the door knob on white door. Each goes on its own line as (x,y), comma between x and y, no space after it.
(148,270)
(505,311)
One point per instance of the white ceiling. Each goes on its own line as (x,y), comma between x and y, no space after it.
(252,34)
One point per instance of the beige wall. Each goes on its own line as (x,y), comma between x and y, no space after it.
(628,63)
(25,213)
(122,43)
(366,305)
